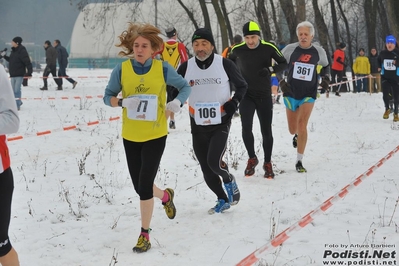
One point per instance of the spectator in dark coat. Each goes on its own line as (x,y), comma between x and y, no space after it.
(19,66)
(51,66)
(63,62)
(374,66)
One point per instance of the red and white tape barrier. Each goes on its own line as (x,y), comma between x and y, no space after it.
(47,132)
(283,236)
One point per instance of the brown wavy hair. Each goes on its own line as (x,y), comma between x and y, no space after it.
(135,30)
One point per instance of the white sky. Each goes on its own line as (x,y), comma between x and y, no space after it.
(62,218)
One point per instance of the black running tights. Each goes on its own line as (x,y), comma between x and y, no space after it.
(143,160)
(6,190)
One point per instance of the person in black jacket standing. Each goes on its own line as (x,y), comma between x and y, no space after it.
(254,59)
(63,63)
(19,66)
(376,80)
(51,66)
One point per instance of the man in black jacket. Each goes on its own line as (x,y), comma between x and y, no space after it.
(51,66)
(19,66)
(254,59)
(63,62)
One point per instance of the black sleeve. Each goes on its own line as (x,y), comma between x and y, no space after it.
(339,60)
(26,60)
(281,63)
(236,78)
(182,69)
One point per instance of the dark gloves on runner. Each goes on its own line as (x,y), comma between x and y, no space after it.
(230,107)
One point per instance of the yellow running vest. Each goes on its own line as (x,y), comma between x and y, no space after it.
(148,121)
(171,54)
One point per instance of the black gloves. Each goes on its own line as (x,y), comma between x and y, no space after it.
(265,72)
(325,83)
(285,88)
(230,107)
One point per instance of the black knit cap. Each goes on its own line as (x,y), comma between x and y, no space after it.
(342,45)
(17,40)
(203,33)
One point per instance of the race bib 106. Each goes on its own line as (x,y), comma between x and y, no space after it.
(207,113)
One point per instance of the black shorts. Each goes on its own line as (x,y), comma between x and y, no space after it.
(6,190)
(171,93)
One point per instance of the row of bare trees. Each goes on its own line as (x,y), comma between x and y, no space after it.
(358,23)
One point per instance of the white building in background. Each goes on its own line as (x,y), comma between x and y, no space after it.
(96,32)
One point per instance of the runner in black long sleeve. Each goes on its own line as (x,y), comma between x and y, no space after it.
(211,110)
(389,63)
(254,59)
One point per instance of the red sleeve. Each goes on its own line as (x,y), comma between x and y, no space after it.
(183,52)
(159,52)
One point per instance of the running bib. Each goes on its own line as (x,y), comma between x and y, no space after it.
(303,71)
(147,109)
(207,113)
(389,65)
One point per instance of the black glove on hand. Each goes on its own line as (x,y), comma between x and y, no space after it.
(264,72)
(285,88)
(230,107)
(325,83)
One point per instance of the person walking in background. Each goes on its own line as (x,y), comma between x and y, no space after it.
(9,123)
(338,67)
(254,59)
(236,39)
(62,56)
(388,60)
(20,66)
(175,53)
(300,89)
(143,81)
(375,81)
(211,110)
(361,68)
(51,66)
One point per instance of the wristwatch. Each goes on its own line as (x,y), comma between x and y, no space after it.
(120,102)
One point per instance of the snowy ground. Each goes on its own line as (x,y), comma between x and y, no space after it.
(62,217)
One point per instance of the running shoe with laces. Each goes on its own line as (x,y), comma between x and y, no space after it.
(252,163)
(233,193)
(395,118)
(386,114)
(221,206)
(169,206)
(143,245)
(299,167)
(295,141)
(269,174)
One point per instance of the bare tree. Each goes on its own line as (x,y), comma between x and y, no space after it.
(276,23)
(393,9)
(288,9)
(321,27)
(385,30)
(334,22)
(300,10)
(370,13)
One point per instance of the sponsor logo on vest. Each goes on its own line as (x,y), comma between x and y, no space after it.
(205,81)
(141,89)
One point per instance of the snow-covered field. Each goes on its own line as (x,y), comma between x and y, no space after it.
(74,203)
